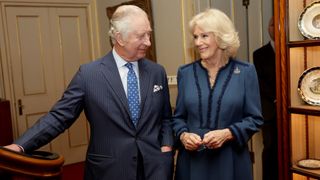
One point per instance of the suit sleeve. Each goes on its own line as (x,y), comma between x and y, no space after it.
(252,118)
(166,129)
(58,119)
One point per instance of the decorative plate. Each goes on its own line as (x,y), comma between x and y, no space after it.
(309,86)
(309,21)
(309,163)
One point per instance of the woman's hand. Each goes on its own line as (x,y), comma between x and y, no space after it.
(190,141)
(216,138)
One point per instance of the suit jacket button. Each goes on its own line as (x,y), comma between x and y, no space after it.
(134,158)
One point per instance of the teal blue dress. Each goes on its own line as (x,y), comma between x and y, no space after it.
(233,102)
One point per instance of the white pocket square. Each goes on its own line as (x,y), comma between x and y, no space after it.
(157,88)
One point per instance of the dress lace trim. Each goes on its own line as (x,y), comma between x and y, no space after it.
(199,92)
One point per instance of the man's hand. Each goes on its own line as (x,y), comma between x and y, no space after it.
(14,147)
(166,148)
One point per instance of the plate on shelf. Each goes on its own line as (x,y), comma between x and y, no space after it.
(309,21)
(309,163)
(309,86)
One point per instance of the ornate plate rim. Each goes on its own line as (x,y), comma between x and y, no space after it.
(302,95)
(308,167)
(302,30)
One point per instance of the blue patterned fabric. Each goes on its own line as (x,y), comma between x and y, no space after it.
(133,94)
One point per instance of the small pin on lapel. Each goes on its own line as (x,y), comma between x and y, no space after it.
(236,70)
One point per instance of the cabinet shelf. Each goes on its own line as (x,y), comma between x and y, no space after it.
(305,109)
(304,43)
(313,173)
(299,121)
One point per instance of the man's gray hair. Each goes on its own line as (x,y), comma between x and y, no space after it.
(122,19)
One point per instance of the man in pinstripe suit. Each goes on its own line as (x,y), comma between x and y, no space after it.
(118,148)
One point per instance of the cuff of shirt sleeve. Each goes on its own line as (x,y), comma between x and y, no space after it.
(21,148)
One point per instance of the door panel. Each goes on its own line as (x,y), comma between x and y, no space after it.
(71,49)
(30,58)
(47,46)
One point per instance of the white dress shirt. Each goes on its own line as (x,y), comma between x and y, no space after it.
(123,70)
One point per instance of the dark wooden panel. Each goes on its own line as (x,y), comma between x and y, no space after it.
(5,123)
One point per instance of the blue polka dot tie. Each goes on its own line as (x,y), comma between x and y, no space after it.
(133,94)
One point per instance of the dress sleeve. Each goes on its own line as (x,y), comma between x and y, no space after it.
(180,114)
(252,118)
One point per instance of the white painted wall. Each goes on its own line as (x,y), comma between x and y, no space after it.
(259,13)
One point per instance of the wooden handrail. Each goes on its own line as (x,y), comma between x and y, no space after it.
(37,164)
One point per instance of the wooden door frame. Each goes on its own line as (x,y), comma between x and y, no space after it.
(281,25)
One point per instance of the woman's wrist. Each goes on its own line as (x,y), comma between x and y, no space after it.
(229,134)
(182,135)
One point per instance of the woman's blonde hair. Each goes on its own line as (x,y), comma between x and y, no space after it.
(217,22)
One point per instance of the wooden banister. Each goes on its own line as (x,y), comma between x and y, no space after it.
(38,164)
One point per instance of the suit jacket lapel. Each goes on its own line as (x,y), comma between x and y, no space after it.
(145,83)
(110,71)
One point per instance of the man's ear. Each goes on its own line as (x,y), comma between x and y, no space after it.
(119,39)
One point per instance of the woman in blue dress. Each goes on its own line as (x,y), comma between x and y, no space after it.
(218,105)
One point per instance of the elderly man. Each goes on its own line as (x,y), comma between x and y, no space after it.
(126,100)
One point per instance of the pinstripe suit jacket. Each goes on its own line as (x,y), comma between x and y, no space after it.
(114,141)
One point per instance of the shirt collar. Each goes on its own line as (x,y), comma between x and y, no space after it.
(120,61)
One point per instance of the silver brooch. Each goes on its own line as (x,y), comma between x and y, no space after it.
(236,70)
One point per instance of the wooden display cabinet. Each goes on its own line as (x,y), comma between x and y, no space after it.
(298,122)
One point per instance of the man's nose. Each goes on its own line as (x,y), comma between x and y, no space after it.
(147,41)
